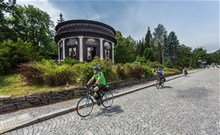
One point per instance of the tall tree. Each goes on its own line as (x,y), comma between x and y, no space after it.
(170,48)
(61,19)
(184,54)
(158,36)
(33,25)
(124,49)
(140,47)
(149,54)
(4,8)
(148,38)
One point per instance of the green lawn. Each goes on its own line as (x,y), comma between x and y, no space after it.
(14,86)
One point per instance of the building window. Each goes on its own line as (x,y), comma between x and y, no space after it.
(72,52)
(89,53)
(72,42)
(91,42)
(107,54)
(107,50)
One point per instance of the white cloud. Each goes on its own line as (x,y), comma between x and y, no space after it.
(95,17)
(43,5)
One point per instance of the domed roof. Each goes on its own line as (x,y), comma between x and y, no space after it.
(84,28)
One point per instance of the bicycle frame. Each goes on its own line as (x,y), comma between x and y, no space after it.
(87,101)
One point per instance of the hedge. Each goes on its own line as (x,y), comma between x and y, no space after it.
(48,72)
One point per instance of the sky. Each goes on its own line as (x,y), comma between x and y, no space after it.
(196,23)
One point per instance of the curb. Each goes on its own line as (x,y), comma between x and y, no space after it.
(71,109)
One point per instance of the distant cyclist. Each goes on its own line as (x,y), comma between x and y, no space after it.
(100,82)
(160,73)
(185,71)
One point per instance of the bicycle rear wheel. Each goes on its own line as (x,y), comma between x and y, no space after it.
(107,99)
(85,106)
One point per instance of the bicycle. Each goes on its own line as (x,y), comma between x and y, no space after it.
(160,82)
(185,73)
(85,104)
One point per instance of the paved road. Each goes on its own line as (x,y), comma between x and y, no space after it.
(188,105)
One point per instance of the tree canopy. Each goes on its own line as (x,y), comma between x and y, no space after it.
(25,27)
(160,34)
(124,50)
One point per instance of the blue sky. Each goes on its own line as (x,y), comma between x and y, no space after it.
(196,23)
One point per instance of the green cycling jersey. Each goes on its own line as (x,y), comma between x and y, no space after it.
(102,81)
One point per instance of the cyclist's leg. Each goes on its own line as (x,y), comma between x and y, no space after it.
(97,95)
(96,89)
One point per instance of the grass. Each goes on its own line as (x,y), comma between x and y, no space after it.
(14,86)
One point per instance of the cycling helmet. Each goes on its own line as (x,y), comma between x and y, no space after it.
(96,68)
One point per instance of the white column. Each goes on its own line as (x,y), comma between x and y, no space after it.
(101,48)
(58,50)
(63,40)
(81,48)
(113,56)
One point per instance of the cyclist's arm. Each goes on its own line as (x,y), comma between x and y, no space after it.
(90,81)
(98,80)
(163,73)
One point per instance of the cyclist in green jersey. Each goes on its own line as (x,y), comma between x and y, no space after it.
(100,81)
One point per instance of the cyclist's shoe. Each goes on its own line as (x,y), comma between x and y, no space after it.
(98,100)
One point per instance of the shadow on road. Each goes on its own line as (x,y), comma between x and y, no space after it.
(168,87)
(115,109)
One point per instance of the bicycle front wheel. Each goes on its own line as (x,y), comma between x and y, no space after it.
(107,99)
(84,106)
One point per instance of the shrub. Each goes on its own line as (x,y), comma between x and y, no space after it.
(140,59)
(121,72)
(47,72)
(168,63)
(147,71)
(138,72)
(83,72)
(15,53)
(70,61)
(134,71)
(28,74)
(171,70)
(154,64)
